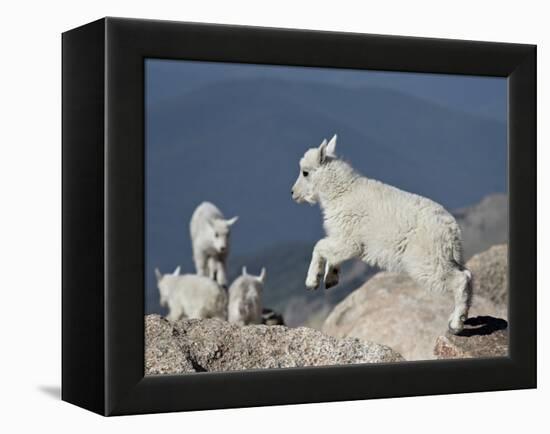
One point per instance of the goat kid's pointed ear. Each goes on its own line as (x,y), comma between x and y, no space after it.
(331,146)
(158,274)
(261,277)
(244,271)
(176,271)
(232,221)
(323,151)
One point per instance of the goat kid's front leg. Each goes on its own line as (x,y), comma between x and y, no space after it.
(221,277)
(201,264)
(316,268)
(332,275)
(212,268)
(335,252)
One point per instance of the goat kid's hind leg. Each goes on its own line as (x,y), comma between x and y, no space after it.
(461,282)
(175,314)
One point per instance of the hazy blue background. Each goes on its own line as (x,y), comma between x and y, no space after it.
(233,134)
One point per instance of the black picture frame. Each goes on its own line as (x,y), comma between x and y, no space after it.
(103,215)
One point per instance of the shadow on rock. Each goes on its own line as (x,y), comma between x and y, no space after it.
(482,326)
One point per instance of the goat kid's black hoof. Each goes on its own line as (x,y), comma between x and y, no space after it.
(330,284)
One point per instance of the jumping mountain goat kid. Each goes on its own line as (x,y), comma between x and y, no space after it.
(245,299)
(191,296)
(383,226)
(210,240)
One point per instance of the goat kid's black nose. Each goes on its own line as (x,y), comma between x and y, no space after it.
(292,192)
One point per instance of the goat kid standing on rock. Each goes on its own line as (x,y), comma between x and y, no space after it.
(191,296)
(245,299)
(383,226)
(210,240)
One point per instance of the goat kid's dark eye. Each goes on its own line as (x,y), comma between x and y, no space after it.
(305,173)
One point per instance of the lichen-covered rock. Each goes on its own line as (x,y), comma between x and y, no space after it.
(215,345)
(482,336)
(393,310)
(490,271)
(162,351)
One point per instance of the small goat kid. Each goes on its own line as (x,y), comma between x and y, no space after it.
(210,241)
(383,226)
(191,296)
(245,299)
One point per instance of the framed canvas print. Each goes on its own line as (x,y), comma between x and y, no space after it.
(258,216)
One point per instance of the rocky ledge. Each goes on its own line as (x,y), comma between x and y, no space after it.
(393,310)
(483,336)
(212,345)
